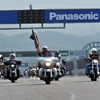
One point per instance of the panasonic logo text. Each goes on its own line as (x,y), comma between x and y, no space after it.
(87,16)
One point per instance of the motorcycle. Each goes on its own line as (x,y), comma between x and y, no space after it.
(31,72)
(94,70)
(26,73)
(3,67)
(13,72)
(61,70)
(47,71)
(4,73)
(58,71)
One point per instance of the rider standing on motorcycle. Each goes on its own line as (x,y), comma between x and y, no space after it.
(92,56)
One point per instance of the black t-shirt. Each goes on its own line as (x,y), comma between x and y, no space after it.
(96,56)
(45,54)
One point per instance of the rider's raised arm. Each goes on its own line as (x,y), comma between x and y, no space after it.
(34,37)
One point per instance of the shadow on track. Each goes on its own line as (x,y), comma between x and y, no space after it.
(28,84)
(6,84)
(38,84)
(83,81)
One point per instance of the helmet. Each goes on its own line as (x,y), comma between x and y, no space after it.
(12,56)
(93,49)
(57,52)
(1,56)
(45,48)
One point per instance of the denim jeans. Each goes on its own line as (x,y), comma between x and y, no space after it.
(87,68)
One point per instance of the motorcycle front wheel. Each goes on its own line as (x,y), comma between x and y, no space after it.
(93,78)
(47,82)
(13,81)
(56,79)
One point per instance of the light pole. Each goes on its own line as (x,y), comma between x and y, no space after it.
(30,6)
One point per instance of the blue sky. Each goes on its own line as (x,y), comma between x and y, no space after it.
(76,29)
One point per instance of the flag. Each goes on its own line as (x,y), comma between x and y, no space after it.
(35,38)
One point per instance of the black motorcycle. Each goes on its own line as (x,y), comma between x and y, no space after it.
(13,72)
(59,75)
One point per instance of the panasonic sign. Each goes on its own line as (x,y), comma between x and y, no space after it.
(71,16)
(89,16)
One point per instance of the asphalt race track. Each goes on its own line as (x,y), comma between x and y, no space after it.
(67,88)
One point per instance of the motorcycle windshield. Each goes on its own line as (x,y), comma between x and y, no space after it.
(47,59)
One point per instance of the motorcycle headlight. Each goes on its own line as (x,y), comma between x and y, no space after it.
(12,65)
(57,63)
(37,68)
(95,61)
(48,64)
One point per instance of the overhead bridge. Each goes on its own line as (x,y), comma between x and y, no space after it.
(45,17)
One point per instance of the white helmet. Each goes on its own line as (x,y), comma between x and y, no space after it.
(12,56)
(1,56)
(45,47)
(93,49)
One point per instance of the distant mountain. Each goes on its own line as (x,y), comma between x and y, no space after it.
(15,42)
(64,41)
(54,40)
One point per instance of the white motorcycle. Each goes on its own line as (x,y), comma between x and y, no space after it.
(48,70)
(94,70)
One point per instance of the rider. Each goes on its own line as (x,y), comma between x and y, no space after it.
(1,61)
(3,67)
(62,61)
(93,55)
(12,57)
(45,52)
(57,54)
